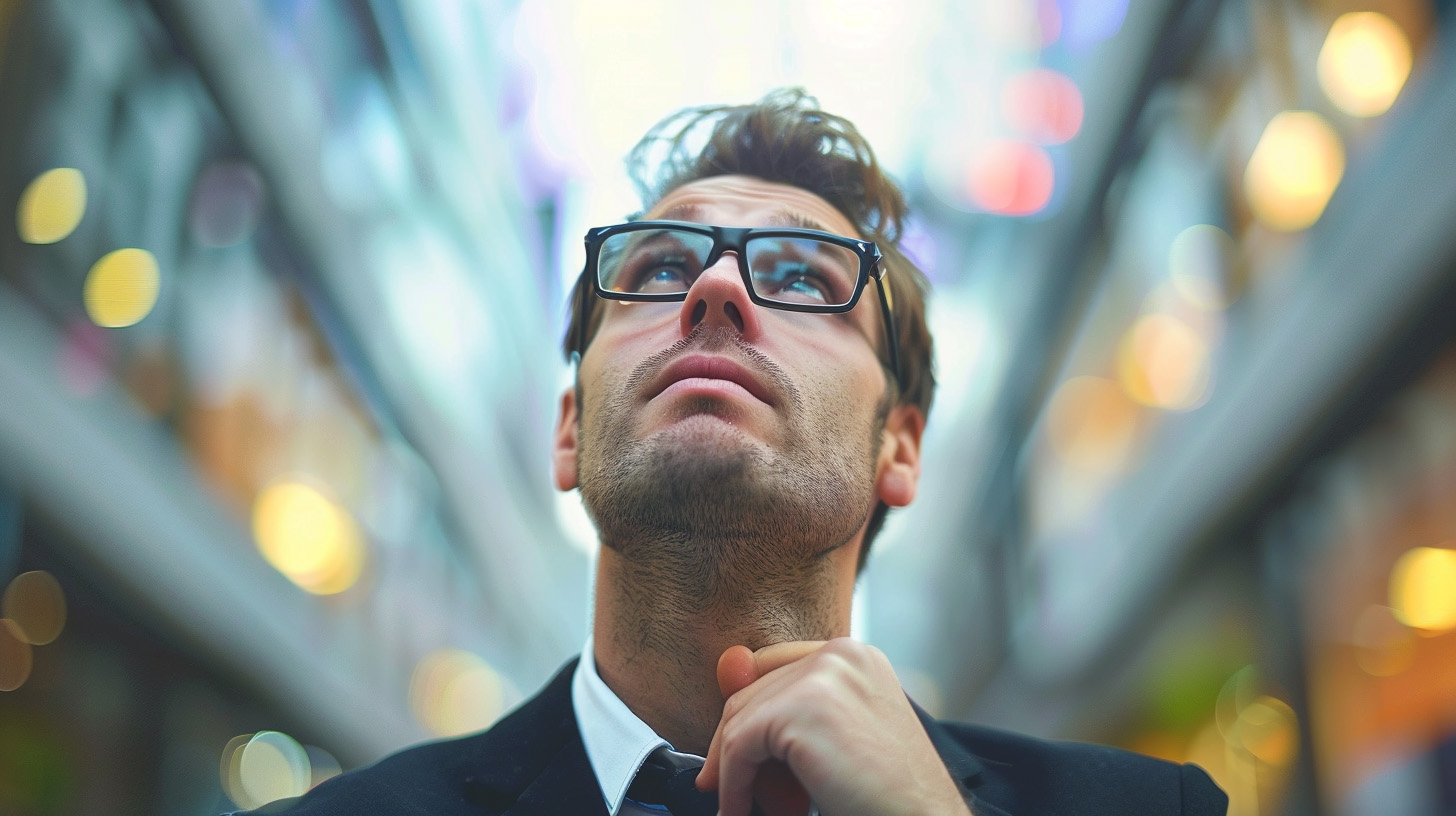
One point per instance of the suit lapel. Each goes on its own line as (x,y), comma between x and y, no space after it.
(566,786)
(533,762)
(965,767)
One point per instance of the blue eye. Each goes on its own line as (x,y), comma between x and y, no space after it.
(666,275)
(804,287)
(792,282)
(659,262)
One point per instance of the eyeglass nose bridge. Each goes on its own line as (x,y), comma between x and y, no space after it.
(728,239)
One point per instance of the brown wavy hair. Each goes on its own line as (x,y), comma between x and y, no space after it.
(785,138)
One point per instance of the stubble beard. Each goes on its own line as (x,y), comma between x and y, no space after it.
(709,521)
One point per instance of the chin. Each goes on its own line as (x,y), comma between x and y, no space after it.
(701,443)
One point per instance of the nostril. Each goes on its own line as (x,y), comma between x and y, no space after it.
(700,309)
(730,309)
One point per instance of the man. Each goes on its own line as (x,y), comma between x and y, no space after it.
(753,376)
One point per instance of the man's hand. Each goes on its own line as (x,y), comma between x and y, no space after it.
(821,720)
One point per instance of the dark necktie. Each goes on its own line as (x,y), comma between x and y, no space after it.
(667,779)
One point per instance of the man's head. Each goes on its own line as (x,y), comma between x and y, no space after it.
(822,439)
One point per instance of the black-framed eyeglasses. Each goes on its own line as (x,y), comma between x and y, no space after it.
(799,270)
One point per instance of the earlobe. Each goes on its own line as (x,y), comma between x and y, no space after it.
(563,452)
(898,470)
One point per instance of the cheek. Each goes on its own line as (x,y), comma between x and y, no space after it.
(629,333)
(831,351)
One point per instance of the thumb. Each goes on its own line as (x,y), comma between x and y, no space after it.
(775,789)
(737,670)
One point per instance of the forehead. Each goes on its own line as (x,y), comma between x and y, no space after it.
(745,201)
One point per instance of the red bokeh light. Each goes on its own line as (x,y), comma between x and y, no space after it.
(1043,105)
(1010,178)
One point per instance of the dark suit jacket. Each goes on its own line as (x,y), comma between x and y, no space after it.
(532,763)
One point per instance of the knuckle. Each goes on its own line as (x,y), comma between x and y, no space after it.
(733,706)
(820,687)
(733,738)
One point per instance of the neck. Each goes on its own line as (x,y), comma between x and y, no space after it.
(661,623)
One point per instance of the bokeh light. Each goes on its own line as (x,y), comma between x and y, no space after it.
(1043,105)
(122,287)
(1010,178)
(1091,425)
(51,206)
(1268,729)
(455,692)
(1364,63)
(308,537)
(35,603)
(1085,22)
(229,771)
(1423,588)
(1295,168)
(1255,722)
(264,767)
(15,656)
(1049,21)
(1199,260)
(1384,646)
(1163,362)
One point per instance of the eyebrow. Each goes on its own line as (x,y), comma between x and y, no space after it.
(779,218)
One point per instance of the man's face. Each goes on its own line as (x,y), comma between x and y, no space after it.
(716,418)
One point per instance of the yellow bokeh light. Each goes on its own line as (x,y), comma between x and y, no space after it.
(51,206)
(1364,63)
(35,602)
(270,766)
(1423,589)
(1267,728)
(1163,362)
(15,656)
(1091,425)
(1198,262)
(122,287)
(455,692)
(1294,170)
(230,770)
(309,538)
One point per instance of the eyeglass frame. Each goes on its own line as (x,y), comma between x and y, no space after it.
(735,239)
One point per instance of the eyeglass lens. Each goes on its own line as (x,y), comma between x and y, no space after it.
(797,270)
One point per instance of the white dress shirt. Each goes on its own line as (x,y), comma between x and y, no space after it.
(616,740)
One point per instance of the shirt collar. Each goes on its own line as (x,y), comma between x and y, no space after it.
(616,740)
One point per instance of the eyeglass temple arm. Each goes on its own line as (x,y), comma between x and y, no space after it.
(892,338)
(584,289)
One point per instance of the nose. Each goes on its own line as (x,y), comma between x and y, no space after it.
(718,299)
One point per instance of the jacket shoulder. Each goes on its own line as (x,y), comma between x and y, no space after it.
(462,775)
(1029,775)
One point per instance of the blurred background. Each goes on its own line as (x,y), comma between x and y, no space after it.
(281,290)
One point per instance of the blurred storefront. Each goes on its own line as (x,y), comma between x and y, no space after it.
(219,517)
(278,330)
(1231,491)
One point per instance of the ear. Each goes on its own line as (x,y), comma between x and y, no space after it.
(563,451)
(897,473)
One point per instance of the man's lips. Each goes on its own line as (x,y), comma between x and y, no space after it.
(709,368)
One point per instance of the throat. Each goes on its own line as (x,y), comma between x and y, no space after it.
(661,625)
